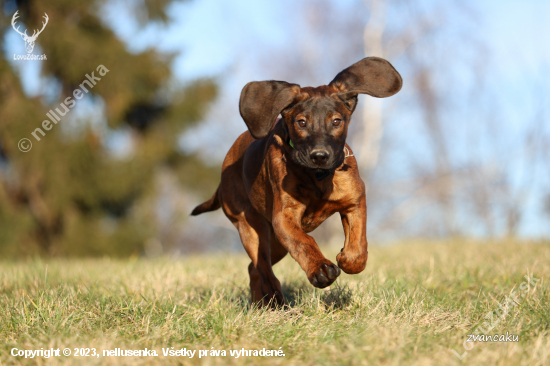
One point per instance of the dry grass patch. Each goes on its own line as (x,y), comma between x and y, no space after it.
(413,304)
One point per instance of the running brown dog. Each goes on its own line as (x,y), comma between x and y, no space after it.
(283,177)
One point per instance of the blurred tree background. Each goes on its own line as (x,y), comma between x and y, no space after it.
(462,151)
(73,194)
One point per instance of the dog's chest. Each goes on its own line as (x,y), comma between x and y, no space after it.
(316,214)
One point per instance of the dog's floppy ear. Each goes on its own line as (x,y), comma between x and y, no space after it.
(372,75)
(262,101)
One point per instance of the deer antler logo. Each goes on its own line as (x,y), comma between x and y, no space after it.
(29,41)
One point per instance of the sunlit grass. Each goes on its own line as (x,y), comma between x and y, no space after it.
(413,304)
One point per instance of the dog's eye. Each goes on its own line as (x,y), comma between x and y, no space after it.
(302,122)
(336,122)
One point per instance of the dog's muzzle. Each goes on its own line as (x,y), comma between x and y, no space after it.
(319,157)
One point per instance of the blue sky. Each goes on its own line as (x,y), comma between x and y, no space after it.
(205,34)
(208,34)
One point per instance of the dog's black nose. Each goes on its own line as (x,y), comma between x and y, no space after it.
(319,157)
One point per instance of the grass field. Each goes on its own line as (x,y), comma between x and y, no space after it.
(413,305)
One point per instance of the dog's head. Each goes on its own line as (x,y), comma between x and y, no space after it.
(316,119)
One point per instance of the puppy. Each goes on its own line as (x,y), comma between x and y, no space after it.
(283,177)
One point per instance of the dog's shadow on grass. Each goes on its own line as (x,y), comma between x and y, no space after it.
(298,294)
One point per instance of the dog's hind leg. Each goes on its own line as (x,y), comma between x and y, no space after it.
(256,235)
(278,252)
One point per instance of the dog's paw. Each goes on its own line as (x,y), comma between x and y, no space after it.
(351,264)
(324,275)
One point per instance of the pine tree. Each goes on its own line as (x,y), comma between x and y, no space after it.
(69,195)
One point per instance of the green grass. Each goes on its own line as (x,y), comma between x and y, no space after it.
(412,305)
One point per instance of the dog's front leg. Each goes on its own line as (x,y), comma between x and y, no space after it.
(288,229)
(353,256)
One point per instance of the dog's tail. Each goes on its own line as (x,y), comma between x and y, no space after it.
(211,205)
